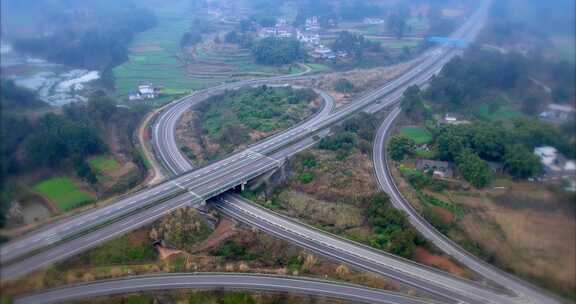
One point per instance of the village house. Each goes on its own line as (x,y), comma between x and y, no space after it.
(145,91)
(558,114)
(556,166)
(439,169)
(373,21)
(323,52)
(308,38)
(450,119)
(312,24)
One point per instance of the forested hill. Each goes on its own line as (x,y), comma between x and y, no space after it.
(92,34)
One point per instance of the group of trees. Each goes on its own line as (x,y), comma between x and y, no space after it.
(401,146)
(470,145)
(355,132)
(465,80)
(413,107)
(58,138)
(231,117)
(393,232)
(15,97)
(479,76)
(276,51)
(100,43)
(190,38)
(344,85)
(359,9)
(355,44)
(242,39)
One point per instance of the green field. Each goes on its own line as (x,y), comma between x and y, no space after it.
(62,192)
(501,112)
(103,164)
(318,68)
(152,57)
(155,58)
(418,134)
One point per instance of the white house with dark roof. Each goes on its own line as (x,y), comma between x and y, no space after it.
(557,113)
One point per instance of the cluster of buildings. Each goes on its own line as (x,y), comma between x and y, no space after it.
(145,91)
(556,166)
(310,37)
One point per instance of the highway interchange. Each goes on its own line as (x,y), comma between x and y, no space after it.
(194,186)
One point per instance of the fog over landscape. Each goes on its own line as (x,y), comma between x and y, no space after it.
(288,151)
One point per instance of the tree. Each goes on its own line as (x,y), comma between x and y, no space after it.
(102,107)
(520,162)
(413,105)
(190,39)
(58,138)
(452,140)
(400,146)
(488,140)
(344,85)
(84,171)
(307,159)
(275,51)
(13,96)
(397,24)
(531,105)
(473,169)
(392,230)
(354,44)
(232,37)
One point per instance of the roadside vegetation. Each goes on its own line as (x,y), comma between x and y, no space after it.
(61,159)
(331,187)
(212,297)
(229,121)
(485,188)
(186,241)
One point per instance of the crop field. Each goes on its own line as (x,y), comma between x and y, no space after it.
(418,134)
(155,57)
(502,112)
(153,54)
(62,192)
(103,164)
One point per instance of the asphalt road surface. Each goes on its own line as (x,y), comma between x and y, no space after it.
(220,281)
(216,178)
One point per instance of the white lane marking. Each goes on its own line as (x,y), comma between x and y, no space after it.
(258,154)
(184,188)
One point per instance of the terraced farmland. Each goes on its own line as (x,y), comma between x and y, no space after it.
(156,58)
(153,56)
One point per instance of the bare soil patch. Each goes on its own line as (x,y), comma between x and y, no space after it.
(440,261)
